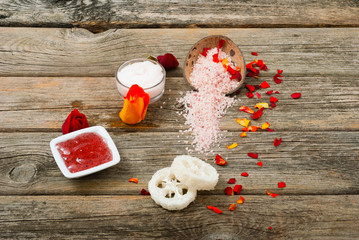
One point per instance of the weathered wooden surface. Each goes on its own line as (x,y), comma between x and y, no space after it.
(309,162)
(45,73)
(98,15)
(77,52)
(123,217)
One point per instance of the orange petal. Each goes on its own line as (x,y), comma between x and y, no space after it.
(135,180)
(252,128)
(246,109)
(243,121)
(233,145)
(240,200)
(243,134)
(232,207)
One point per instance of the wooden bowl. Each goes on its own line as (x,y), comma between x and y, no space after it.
(229,47)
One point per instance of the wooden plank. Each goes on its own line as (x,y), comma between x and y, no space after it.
(98,15)
(309,162)
(77,52)
(30,104)
(113,217)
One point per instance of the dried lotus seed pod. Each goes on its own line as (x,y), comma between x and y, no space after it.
(194,172)
(169,192)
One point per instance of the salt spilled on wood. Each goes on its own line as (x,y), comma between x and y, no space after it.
(205,107)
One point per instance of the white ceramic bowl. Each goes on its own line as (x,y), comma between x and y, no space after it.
(100,131)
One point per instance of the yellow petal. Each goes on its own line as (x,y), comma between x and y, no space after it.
(265,125)
(233,145)
(261,105)
(243,121)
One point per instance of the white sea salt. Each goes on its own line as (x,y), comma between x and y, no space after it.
(205,107)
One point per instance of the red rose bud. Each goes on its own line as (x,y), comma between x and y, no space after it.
(168,61)
(75,121)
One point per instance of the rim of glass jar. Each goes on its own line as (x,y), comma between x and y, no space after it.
(140,60)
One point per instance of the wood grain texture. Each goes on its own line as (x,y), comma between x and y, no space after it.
(114,217)
(309,163)
(99,15)
(328,103)
(77,52)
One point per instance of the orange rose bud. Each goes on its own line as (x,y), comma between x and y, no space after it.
(135,105)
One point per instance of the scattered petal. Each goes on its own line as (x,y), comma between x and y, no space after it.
(273,105)
(264,84)
(250,88)
(272,194)
(269,92)
(253,155)
(144,192)
(279,71)
(215,58)
(237,189)
(261,105)
(273,99)
(265,125)
(254,53)
(250,129)
(240,200)
(233,145)
(277,142)
(270,130)
(216,210)
(243,134)
(244,174)
(276,92)
(296,95)
(270,228)
(243,121)
(257,114)
(281,185)
(204,52)
(258,95)
(220,161)
(228,191)
(246,109)
(250,94)
(135,180)
(232,207)
(231,181)
(260,163)
(220,44)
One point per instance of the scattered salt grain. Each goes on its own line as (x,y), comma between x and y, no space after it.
(205,107)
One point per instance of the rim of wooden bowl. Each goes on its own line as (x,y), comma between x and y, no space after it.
(195,52)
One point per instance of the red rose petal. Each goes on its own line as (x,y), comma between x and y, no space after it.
(220,44)
(254,53)
(276,78)
(270,130)
(279,71)
(250,87)
(216,210)
(215,58)
(273,99)
(231,70)
(253,155)
(244,174)
(144,192)
(260,163)
(277,142)
(228,191)
(168,61)
(237,189)
(273,105)
(250,94)
(232,181)
(296,95)
(220,161)
(281,185)
(204,53)
(270,228)
(276,92)
(264,84)
(258,95)
(269,92)
(257,114)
